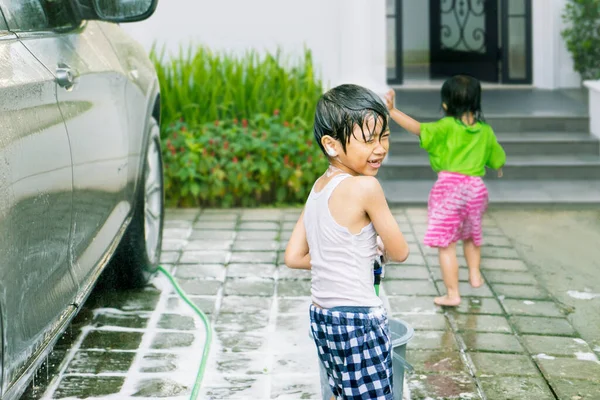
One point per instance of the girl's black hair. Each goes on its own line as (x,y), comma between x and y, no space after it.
(345,106)
(462,94)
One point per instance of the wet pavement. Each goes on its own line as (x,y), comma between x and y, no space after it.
(517,337)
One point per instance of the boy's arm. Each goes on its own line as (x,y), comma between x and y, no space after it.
(406,122)
(375,205)
(296,252)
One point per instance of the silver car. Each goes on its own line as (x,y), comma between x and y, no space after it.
(81,184)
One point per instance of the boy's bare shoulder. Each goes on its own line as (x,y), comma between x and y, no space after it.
(363,185)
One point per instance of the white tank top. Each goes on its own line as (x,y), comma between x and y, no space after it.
(341,262)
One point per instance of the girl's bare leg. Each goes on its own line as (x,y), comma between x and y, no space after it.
(473,256)
(449,266)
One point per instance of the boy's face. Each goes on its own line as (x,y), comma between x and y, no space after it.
(364,155)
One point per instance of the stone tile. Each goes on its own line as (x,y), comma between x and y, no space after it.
(502,264)
(433,340)
(285,236)
(511,277)
(482,323)
(293,305)
(519,291)
(435,386)
(237,387)
(543,326)
(201,271)
(245,304)
(293,362)
(575,389)
(204,257)
(160,388)
(130,300)
(124,320)
(253,363)
(511,388)
(425,322)
(405,272)
(288,225)
(496,241)
(212,235)
(242,323)
(265,271)
(199,287)
(463,274)
(492,231)
(177,233)
(403,288)
(435,361)
(285,273)
(293,288)
(503,364)
(249,287)
(99,362)
(417,305)
(112,340)
(296,386)
(434,262)
(173,244)
(83,386)
(292,215)
(494,342)
(254,257)
(208,245)
(256,235)
(168,340)
(259,226)
(534,308)
(239,342)
(476,305)
(415,258)
(261,214)
(210,217)
(499,252)
(169,257)
(466,290)
(555,345)
(159,362)
(182,213)
(206,304)
(570,368)
(255,245)
(177,322)
(218,225)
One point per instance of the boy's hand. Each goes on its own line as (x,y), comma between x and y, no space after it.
(500,174)
(390,98)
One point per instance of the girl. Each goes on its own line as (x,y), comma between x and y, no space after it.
(460,146)
(336,237)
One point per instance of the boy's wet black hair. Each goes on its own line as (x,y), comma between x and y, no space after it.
(345,106)
(462,94)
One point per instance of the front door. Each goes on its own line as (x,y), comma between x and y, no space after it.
(464,38)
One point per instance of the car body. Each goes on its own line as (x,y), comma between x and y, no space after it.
(80,167)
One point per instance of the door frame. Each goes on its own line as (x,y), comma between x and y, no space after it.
(503,54)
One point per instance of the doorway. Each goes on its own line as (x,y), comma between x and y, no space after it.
(430,40)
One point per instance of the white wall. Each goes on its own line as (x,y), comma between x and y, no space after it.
(552,63)
(326,27)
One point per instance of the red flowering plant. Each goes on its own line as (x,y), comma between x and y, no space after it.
(262,160)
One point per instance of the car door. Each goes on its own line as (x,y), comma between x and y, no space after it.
(36,285)
(91,97)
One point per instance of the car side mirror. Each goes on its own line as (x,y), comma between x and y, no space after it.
(116,10)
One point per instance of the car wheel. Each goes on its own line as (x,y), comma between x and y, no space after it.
(138,254)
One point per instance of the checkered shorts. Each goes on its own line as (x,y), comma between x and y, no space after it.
(355,350)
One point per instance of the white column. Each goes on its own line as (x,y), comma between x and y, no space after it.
(544,57)
(362,42)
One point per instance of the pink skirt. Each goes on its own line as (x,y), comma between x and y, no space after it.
(456,206)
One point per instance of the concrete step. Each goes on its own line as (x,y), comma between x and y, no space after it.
(402,193)
(531,167)
(516,144)
(515,123)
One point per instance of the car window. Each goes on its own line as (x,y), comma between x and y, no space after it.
(3,26)
(38,15)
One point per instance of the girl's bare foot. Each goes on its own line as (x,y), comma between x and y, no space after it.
(475,278)
(447,301)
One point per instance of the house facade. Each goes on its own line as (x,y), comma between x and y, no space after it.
(382,43)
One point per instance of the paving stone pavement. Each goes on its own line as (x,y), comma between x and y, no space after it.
(507,340)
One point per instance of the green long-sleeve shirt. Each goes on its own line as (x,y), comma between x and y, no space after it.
(456,147)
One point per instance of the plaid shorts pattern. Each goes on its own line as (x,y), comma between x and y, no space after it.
(355,350)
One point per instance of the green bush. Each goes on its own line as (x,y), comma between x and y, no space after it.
(203,86)
(582,36)
(230,163)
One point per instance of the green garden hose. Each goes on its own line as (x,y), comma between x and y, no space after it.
(204,318)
